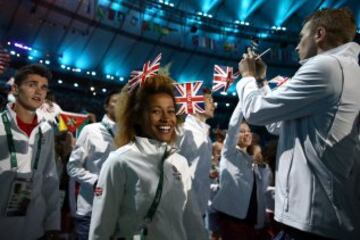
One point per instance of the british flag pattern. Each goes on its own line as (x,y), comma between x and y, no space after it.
(223,78)
(189,98)
(277,82)
(138,78)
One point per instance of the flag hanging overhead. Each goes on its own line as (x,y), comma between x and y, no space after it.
(189,97)
(138,78)
(71,121)
(223,78)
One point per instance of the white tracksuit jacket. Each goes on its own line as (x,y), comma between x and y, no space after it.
(237,177)
(91,150)
(127,184)
(196,146)
(318,152)
(43,212)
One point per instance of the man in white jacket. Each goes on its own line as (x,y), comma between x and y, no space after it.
(91,150)
(196,147)
(29,192)
(316,194)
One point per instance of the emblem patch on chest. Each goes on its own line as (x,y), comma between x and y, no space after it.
(176,173)
(98,191)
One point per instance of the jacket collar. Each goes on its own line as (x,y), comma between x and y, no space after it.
(197,124)
(12,113)
(153,147)
(351,49)
(12,118)
(108,122)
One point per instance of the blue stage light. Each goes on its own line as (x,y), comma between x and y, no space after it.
(66,58)
(247,7)
(115,6)
(285,9)
(207,5)
(104,2)
(263,35)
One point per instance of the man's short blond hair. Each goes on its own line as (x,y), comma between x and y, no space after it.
(339,24)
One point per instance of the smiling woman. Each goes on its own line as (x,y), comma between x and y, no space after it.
(144,187)
(149,111)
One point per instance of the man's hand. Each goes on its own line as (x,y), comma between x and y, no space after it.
(249,66)
(261,69)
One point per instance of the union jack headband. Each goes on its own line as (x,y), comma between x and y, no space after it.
(189,97)
(137,78)
(223,78)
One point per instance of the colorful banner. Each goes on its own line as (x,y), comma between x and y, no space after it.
(71,121)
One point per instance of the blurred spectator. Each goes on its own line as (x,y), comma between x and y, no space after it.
(50,109)
(64,142)
(217,146)
(92,148)
(4,60)
(196,146)
(240,201)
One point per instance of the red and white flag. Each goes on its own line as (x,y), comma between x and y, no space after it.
(137,78)
(189,97)
(223,78)
(277,81)
(71,121)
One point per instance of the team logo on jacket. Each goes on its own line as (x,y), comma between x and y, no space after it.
(176,173)
(98,191)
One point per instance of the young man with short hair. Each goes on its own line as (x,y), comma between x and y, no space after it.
(317,193)
(29,193)
(91,150)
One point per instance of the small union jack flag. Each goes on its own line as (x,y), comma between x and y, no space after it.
(189,97)
(277,81)
(223,78)
(138,78)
